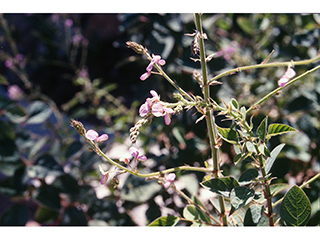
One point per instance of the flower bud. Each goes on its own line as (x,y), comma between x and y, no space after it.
(78,126)
(136,47)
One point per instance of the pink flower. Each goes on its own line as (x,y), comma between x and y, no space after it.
(94,136)
(169,179)
(156,107)
(135,153)
(155,59)
(290,73)
(15,93)
(105,175)
(125,160)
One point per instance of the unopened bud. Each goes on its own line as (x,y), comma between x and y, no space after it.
(78,126)
(138,48)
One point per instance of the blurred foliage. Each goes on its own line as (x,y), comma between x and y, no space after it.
(77,66)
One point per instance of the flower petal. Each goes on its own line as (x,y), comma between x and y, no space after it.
(157,110)
(170,177)
(102,138)
(161,62)
(92,134)
(154,94)
(144,109)
(134,152)
(283,81)
(144,76)
(290,73)
(167,119)
(167,184)
(141,158)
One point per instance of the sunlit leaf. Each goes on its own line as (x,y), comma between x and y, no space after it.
(239,197)
(262,129)
(168,221)
(253,215)
(273,155)
(229,135)
(221,186)
(278,129)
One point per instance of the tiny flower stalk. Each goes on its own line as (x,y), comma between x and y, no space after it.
(211,126)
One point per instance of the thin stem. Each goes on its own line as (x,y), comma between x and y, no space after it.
(266,65)
(212,130)
(265,98)
(301,186)
(145,175)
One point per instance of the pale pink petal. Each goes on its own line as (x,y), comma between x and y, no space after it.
(92,135)
(102,138)
(144,109)
(167,184)
(167,119)
(157,110)
(171,177)
(290,73)
(168,110)
(142,158)
(134,152)
(150,66)
(144,76)
(154,94)
(104,179)
(161,62)
(283,81)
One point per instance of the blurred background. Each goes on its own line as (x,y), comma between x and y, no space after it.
(58,67)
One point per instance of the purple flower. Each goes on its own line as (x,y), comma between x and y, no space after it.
(290,73)
(94,136)
(156,59)
(135,153)
(105,176)
(68,22)
(15,93)
(156,107)
(169,179)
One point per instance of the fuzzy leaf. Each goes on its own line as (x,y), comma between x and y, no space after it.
(239,197)
(253,215)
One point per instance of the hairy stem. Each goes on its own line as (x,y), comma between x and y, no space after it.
(212,130)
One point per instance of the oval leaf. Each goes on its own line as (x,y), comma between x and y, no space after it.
(253,215)
(248,175)
(277,129)
(295,209)
(239,197)
(228,135)
(221,186)
(273,155)
(168,221)
(262,129)
(38,112)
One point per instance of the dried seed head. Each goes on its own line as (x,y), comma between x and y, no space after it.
(138,48)
(78,126)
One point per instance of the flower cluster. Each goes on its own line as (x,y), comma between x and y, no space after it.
(290,73)
(155,59)
(156,107)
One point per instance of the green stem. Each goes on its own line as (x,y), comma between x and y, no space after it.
(266,65)
(280,88)
(145,175)
(212,130)
(302,186)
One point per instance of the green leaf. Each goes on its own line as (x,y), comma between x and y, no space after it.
(229,135)
(278,129)
(278,187)
(262,129)
(44,166)
(48,196)
(193,213)
(241,156)
(248,175)
(17,215)
(15,113)
(273,155)
(168,221)
(137,189)
(239,197)
(44,215)
(295,208)
(221,186)
(253,215)
(234,104)
(38,112)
